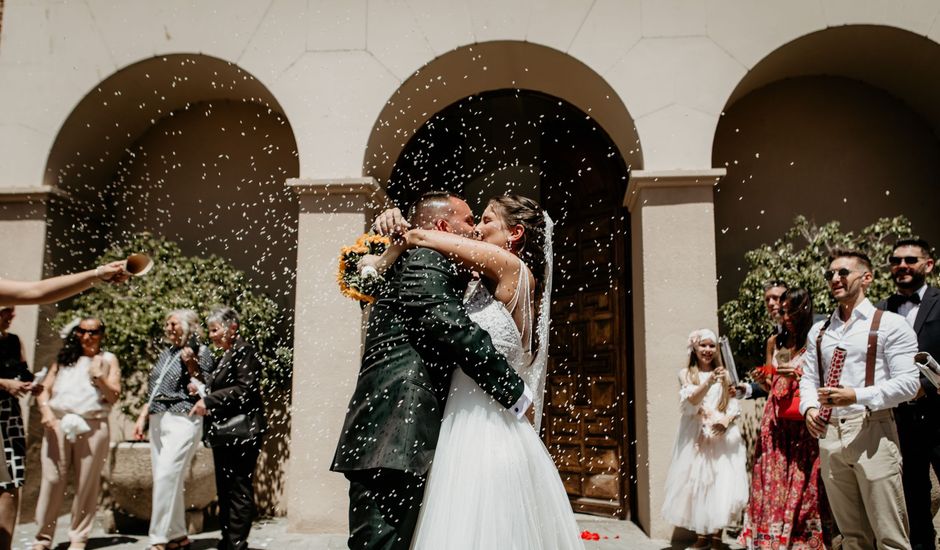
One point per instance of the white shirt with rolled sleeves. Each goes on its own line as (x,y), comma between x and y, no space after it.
(896,377)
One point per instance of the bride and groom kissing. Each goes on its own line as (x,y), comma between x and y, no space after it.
(436,445)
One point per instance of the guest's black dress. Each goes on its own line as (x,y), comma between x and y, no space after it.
(11,417)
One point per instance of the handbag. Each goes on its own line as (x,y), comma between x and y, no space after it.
(235,430)
(789,407)
(787,396)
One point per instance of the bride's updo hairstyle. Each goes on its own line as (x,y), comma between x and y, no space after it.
(518,210)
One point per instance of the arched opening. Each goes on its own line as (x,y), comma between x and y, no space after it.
(196,150)
(543,147)
(841,124)
(494,66)
(185,146)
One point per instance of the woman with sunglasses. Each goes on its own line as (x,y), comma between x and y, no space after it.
(786,507)
(79,390)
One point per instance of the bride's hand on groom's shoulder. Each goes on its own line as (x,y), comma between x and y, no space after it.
(390,222)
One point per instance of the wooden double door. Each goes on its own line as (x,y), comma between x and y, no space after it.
(587,419)
(540,146)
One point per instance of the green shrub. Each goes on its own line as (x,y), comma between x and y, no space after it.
(799,258)
(134,312)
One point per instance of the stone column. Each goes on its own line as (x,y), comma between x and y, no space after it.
(674,292)
(23,227)
(327,347)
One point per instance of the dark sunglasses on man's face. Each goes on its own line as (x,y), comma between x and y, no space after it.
(842,273)
(909,260)
(83,331)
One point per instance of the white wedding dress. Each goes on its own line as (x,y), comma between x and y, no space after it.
(492,485)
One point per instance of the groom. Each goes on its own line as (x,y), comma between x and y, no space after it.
(418,333)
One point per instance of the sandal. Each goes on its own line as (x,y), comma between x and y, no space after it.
(700,543)
(182,543)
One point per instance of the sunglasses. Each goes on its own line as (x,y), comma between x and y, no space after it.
(909,260)
(93,332)
(842,273)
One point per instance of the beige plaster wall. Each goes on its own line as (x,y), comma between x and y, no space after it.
(673,63)
(327,348)
(826,147)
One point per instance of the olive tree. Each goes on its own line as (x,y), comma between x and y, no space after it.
(799,258)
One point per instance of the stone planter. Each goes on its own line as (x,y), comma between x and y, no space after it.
(129,481)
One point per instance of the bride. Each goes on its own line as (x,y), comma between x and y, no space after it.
(493,484)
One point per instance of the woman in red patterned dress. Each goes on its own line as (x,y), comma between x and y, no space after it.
(785,506)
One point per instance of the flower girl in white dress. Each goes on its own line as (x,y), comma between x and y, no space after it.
(707,486)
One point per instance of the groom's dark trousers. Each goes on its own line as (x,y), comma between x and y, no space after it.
(383,508)
(418,333)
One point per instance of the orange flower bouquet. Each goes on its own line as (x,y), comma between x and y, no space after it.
(353,283)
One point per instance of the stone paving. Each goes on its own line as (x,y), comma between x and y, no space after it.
(272,534)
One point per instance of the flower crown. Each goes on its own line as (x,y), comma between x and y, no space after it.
(697,336)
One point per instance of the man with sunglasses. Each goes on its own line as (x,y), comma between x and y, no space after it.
(911,263)
(859,460)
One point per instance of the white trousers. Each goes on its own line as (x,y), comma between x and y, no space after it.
(174,438)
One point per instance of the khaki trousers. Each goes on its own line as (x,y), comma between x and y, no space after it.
(84,459)
(860,464)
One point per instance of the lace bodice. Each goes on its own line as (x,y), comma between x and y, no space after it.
(494,318)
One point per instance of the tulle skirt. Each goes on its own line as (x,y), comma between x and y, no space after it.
(493,484)
(707,485)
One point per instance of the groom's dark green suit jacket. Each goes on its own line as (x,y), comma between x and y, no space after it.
(418,333)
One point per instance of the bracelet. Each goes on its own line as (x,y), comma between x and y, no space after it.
(98,273)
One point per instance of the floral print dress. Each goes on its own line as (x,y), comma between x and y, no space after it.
(787,505)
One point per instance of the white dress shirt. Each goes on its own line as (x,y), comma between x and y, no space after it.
(909,310)
(896,377)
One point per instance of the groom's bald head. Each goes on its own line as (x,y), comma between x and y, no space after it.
(444,211)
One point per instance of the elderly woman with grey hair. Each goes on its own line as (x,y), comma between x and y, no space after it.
(174,433)
(232,399)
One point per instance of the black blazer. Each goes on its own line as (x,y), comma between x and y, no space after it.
(927,327)
(234,386)
(418,333)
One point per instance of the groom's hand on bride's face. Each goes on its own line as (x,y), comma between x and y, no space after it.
(391,222)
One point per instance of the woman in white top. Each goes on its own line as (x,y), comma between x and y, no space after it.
(174,433)
(79,390)
(706,487)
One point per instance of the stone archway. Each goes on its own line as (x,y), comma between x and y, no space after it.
(838,124)
(514,94)
(194,149)
(177,124)
(496,65)
(542,147)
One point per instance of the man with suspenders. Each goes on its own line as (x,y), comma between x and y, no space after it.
(859,365)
